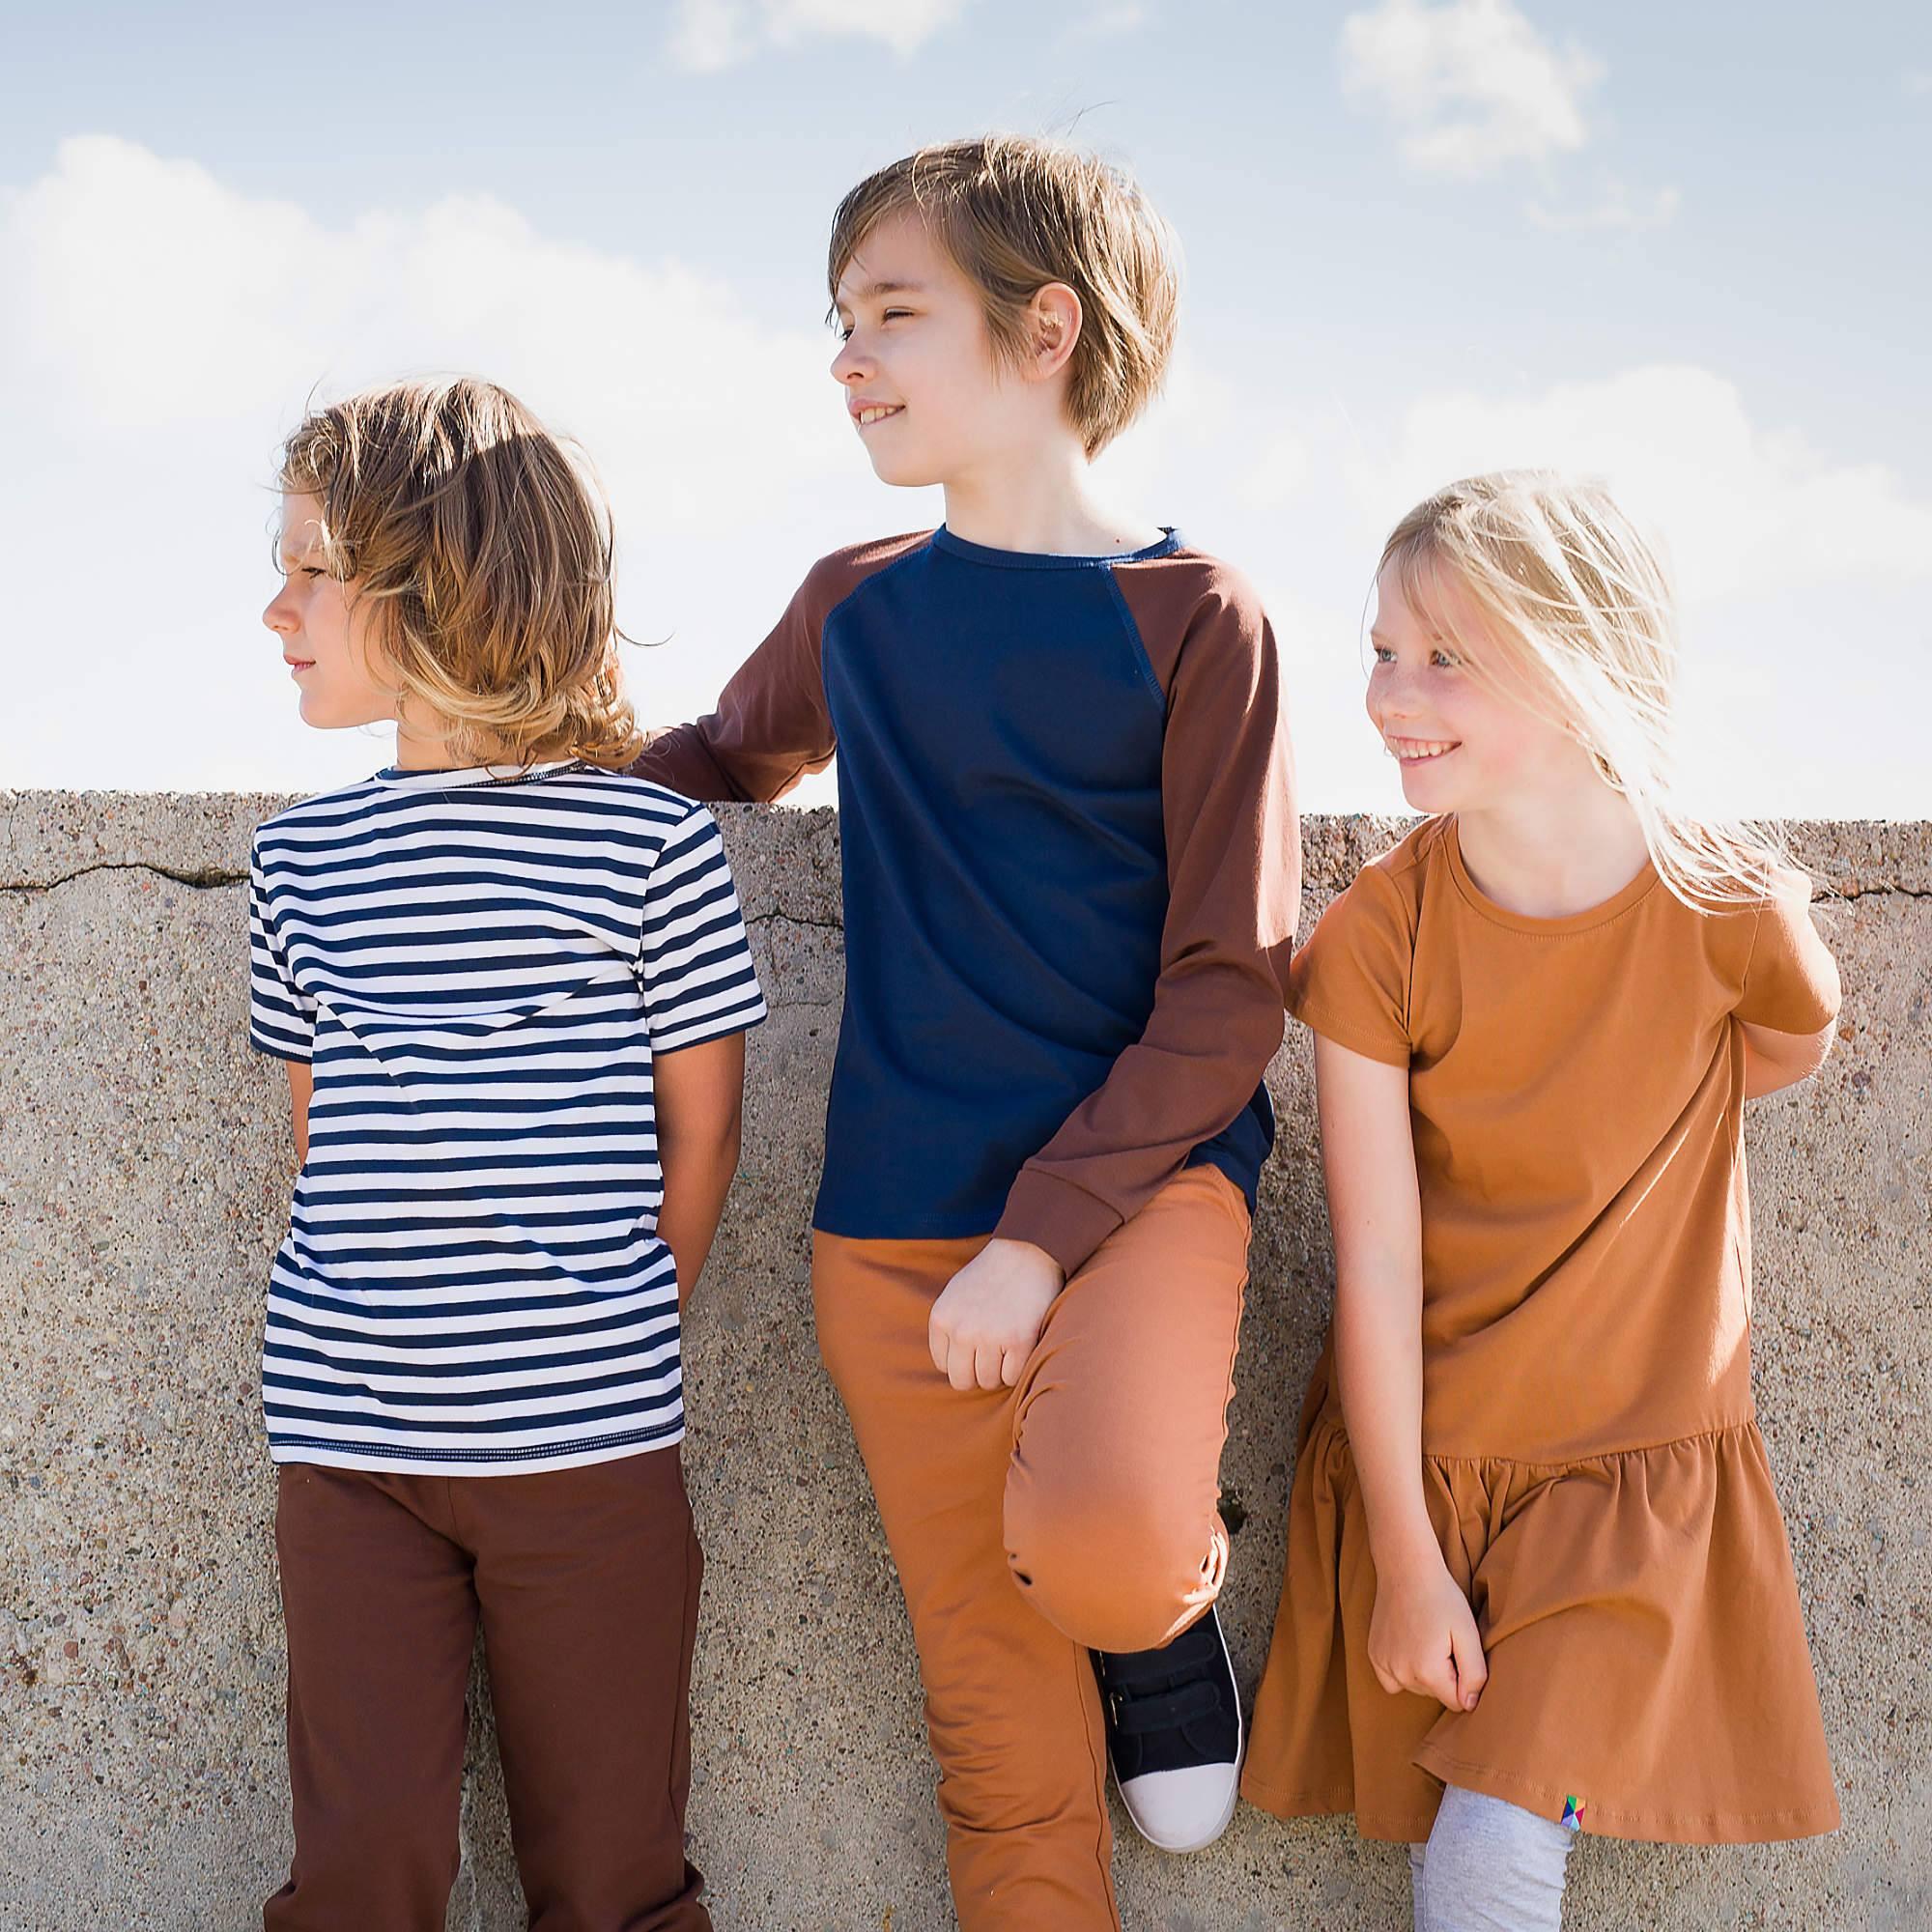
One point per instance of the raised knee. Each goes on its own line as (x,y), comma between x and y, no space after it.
(1116,1573)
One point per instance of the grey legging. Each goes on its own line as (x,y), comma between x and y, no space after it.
(1488,1866)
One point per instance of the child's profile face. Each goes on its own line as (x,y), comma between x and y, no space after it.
(923,387)
(321,627)
(1461,726)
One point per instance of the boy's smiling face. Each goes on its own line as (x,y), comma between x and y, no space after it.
(323,628)
(924,384)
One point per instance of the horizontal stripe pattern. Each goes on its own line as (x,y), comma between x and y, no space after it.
(481,970)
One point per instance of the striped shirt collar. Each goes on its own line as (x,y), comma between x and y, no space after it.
(435,779)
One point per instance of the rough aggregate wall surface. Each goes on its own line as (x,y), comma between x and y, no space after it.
(144,1158)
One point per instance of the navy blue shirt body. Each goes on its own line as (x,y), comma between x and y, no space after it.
(1070,864)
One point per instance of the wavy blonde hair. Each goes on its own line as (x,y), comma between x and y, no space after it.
(484,547)
(1016,213)
(1579,606)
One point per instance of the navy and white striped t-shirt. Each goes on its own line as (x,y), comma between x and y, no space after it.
(481,970)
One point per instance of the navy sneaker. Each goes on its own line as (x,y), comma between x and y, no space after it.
(1174,1733)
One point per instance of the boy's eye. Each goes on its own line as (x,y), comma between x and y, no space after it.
(1447,659)
(891,313)
(1383,654)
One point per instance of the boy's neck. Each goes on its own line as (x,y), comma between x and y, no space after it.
(1041,500)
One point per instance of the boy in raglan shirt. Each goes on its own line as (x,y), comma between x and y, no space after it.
(1070,876)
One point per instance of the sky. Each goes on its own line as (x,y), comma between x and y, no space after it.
(1680,247)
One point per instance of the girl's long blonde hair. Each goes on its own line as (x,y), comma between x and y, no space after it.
(1567,585)
(484,548)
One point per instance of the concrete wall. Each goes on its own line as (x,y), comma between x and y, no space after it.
(144,1155)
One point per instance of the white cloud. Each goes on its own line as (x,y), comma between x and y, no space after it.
(1807,661)
(1105,21)
(1471,86)
(1616,209)
(159,332)
(1744,511)
(710,35)
(1919,82)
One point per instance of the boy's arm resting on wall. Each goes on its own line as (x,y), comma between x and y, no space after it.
(1233,863)
(771,727)
(699,1104)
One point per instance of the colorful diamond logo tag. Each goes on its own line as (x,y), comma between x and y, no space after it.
(1572,1814)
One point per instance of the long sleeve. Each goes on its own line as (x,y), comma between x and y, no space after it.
(1233,878)
(772,727)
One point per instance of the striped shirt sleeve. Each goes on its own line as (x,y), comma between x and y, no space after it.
(694,962)
(281,1017)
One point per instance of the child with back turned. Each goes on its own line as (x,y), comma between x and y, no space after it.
(1538,1582)
(511,986)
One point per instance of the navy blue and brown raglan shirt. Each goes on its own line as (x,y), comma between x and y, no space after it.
(1071,867)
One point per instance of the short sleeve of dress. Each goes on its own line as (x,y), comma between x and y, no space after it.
(1791,983)
(281,1017)
(1351,982)
(694,960)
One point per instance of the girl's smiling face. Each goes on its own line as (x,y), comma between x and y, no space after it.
(1456,711)
(323,628)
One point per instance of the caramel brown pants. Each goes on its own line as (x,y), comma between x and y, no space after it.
(1075,1512)
(586,1582)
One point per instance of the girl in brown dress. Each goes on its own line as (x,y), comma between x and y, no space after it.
(1538,1582)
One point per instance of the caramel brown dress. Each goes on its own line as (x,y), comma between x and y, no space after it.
(1591,1461)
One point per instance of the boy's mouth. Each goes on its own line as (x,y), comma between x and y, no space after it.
(865,414)
(297,666)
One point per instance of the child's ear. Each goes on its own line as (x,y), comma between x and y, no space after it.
(1055,316)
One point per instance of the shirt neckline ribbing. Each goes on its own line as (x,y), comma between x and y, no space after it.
(1171,540)
(398,778)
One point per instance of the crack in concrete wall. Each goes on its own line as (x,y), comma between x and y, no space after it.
(210,881)
(201,881)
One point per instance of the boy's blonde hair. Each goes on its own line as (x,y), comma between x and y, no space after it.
(1569,589)
(1016,213)
(484,547)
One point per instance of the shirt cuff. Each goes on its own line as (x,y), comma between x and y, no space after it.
(1056,1215)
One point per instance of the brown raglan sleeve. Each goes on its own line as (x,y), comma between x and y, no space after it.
(1233,864)
(771,727)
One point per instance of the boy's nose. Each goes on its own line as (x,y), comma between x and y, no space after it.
(850,364)
(280,618)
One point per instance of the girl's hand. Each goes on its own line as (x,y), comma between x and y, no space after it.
(1423,1636)
(989,1315)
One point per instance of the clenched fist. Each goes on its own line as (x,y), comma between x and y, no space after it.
(989,1315)
(1423,1636)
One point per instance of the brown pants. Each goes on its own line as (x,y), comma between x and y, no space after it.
(1077,1511)
(585,1581)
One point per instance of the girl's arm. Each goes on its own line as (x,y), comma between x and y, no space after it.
(302,1084)
(1777,1060)
(700,1093)
(1790,992)
(1421,1638)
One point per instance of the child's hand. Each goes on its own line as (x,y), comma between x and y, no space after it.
(989,1316)
(1423,1636)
